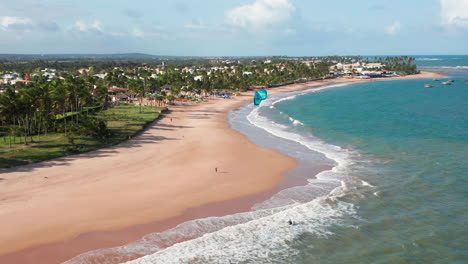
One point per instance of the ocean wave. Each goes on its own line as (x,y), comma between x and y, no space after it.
(299,93)
(294,121)
(428,59)
(264,239)
(336,153)
(446,67)
(259,236)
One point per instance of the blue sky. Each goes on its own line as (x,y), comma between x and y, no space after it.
(235,27)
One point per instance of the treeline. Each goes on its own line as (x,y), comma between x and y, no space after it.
(402,64)
(56,106)
(64,67)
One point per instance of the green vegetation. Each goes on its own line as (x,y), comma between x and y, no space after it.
(121,122)
(401,64)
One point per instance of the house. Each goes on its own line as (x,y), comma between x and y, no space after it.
(84,70)
(100,75)
(361,77)
(19,80)
(372,74)
(347,68)
(373,66)
(7,77)
(119,94)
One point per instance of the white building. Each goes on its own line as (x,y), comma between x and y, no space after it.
(374,65)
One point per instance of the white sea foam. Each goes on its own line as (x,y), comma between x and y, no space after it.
(338,154)
(259,236)
(264,239)
(447,67)
(325,182)
(455,67)
(428,59)
(364,183)
(295,121)
(299,93)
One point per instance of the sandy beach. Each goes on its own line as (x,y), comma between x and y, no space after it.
(55,210)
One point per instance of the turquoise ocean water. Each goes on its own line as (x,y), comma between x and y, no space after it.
(415,141)
(397,192)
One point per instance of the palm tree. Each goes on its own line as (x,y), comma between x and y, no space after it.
(26,111)
(138,88)
(60,104)
(171,98)
(9,102)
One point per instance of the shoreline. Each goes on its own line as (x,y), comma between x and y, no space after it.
(231,201)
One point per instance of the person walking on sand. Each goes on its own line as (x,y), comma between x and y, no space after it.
(216,169)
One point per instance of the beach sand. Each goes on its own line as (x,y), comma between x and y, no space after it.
(54,210)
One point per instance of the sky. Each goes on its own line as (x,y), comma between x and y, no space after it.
(235,27)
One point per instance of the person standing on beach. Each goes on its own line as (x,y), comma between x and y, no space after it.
(216,170)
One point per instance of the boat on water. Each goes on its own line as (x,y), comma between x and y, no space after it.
(436,80)
(428,86)
(447,83)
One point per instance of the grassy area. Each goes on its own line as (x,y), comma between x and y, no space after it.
(123,121)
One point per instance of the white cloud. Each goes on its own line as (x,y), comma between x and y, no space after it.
(96,26)
(324,28)
(195,24)
(393,28)
(137,32)
(9,23)
(290,32)
(149,33)
(454,12)
(261,13)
